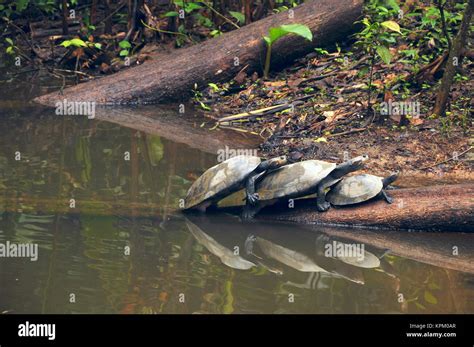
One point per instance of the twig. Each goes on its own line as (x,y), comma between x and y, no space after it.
(163,31)
(357,130)
(222,16)
(447,160)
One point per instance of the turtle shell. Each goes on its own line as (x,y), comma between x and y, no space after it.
(226,255)
(294,180)
(355,189)
(221,179)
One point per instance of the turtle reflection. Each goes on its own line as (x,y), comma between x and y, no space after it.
(279,248)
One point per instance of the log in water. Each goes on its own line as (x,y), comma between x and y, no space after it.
(444,208)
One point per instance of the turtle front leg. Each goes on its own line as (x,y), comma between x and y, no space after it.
(321,204)
(386,197)
(252,196)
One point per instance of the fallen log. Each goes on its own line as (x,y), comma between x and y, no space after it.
(440,208)
(171,77)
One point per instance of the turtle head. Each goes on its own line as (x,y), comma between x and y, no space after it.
(356,163)
(390,179)
(349,166)
(275,163)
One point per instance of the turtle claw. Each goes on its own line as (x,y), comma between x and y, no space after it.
(389,200)
(323,206)
(252,199)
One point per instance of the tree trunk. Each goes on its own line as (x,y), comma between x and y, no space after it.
(454,59)
(172,77)
(443,208)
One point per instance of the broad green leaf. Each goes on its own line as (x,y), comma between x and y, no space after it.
(66,43)
(124,44)
(78,43)
(9,41)
(390,24)
(297,29)
(98,45)
(384,54)
(171,14)
(9,50)
(239,16)
(430,298)
(267,40)
(123,53)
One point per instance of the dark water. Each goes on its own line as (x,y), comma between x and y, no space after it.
(121,246)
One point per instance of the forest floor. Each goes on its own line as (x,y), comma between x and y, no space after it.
(333,118)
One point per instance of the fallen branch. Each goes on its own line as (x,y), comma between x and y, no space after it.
(447,160)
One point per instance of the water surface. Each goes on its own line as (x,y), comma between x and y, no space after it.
(111,239)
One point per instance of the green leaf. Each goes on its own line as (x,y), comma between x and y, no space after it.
(123,53)
(239,16)
(214,86)
(21,5)
(297,29)
(384,54)
(9,50)
(393,4)
(74,42)
(78,43)
(391,25)
(125,44)
(98,45)
(9,40)
(188,6)
(430,298)
(420,306)
(171,14)
(267,40)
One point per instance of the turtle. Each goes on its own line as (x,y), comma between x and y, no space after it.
(360,188)
(298,180)
(228,177)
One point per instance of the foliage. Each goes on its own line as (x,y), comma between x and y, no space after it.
(276,33)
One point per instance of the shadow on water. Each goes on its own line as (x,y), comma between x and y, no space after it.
(100,200)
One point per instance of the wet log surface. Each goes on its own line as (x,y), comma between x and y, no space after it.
(442,208)
(448,250)
(171,77)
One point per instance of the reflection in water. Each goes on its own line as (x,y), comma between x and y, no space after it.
(100,200)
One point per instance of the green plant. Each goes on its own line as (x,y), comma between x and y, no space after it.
(125,45)
(11,46)
(377,36)
(276,33)
(239,16)
(76,42)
